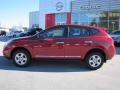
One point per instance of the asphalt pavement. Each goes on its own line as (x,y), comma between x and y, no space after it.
(44,75)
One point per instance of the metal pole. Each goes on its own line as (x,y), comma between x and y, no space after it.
(119,22)
(113,25)
(108,22)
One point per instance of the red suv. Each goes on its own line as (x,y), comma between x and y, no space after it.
(89,44)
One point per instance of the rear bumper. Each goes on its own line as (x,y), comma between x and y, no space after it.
(111,52)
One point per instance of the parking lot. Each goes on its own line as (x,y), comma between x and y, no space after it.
(44,75)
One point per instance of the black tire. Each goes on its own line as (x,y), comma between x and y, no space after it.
(24,62)
(94,64)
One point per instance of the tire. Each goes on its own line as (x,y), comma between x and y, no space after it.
(21,58)
(95,60)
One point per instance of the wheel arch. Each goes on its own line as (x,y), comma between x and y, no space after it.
(96,50)
(20,48)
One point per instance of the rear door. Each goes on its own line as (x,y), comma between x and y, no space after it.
(78,42)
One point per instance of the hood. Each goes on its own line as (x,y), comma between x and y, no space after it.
(22,38)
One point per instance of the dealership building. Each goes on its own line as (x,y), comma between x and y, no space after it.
(99,13)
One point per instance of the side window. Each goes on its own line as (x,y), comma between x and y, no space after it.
(117,32)
(78,32)
(53,33)
(93,31)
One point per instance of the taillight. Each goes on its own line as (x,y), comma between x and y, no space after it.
(110,40)
(108,37)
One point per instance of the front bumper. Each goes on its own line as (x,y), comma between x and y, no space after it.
(7,52)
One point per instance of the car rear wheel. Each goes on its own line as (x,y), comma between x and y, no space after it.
(94,60)
(21,58)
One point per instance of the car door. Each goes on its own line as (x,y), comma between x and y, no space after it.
(51,45)
(77,44)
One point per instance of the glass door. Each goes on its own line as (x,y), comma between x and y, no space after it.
(114,21)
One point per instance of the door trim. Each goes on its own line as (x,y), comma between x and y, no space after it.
(58,56)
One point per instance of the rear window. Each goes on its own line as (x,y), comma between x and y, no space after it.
(117,33)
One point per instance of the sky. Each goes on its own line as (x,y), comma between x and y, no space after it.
(16,12)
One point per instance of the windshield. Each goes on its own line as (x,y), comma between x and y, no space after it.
(116,32)
(40,32)
(30,32)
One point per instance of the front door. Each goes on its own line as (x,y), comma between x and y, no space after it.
(52,45)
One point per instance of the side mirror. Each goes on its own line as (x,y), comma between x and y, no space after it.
(39,36)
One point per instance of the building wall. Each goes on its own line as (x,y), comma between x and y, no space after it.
(95,5)
(101,13)
(57,19)
(52,6)
(33,19)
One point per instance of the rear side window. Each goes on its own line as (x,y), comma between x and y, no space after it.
(93,31)
(117,32)
(55,33)
(81,31)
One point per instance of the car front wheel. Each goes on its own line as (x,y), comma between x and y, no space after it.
(21,58)
(94,60)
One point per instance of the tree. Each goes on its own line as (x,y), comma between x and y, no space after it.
(25,28)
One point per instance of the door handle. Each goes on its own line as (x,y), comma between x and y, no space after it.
(59,42)
(88,42)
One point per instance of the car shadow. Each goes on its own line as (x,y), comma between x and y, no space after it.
(45,66)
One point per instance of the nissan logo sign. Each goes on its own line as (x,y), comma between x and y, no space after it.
(59,6)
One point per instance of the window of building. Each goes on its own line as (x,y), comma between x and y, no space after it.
(60,19)
(85,18)
(74,18)
(107,19)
